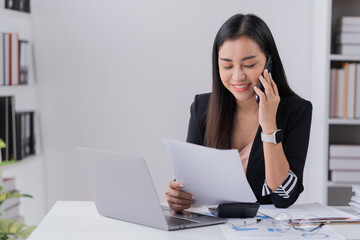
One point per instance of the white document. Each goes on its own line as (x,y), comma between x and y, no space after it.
(298,211)
(265,231)
(213,176)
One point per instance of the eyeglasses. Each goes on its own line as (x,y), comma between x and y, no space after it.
(309,224)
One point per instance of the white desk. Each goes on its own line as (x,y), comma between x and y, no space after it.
(80,220)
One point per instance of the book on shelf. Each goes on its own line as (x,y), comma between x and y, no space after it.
(25,134)
(11,63)
(352,20)
(14,59)
(344,151)
(344,164)
(16,130)
(345,176)
(333,97)
(347,40)
(7,127)
(346,88)
(345,91)
(349,28)
(351,77)
(357,92)
(24,62)
(10,4)
(7,66)
(340,93)
(4,130)
(348,49)
(18,5)
(2,58)
(14,53)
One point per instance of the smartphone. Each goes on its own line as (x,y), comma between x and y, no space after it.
(268,66)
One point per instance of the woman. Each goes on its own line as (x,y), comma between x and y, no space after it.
(271,136)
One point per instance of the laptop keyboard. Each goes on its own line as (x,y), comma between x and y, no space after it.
(174,221)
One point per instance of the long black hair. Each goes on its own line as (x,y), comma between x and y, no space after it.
(222,105)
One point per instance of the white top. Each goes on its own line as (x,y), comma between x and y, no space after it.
(80,220)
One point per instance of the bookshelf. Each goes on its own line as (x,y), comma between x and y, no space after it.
(29,172)
(339,130)
(344,58)
(337,121)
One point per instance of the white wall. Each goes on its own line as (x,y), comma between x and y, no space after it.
(121,75)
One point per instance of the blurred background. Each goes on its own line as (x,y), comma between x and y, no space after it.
(121,75)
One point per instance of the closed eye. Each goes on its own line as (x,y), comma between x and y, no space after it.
(228,67)
(250,66)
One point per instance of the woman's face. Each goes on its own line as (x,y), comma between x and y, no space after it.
(241,62)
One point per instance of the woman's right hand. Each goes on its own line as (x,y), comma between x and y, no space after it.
(177,199)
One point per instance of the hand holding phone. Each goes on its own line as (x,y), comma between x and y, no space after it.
(268,66)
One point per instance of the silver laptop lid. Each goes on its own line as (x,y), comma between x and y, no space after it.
(122,187)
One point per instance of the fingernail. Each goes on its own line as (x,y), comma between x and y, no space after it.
(193,197)
(270,74)
(255,87)
(266,71)
(181,185)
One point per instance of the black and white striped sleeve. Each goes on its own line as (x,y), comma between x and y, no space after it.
(285,189)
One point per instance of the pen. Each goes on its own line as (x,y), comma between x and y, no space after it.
(338,222)
(243,222)
(328,219)
(341,222)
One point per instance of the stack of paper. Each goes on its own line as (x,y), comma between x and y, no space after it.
(348,37)
(344,163)
(298,211)
(355,200)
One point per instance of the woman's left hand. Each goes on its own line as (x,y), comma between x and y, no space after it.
(268,105)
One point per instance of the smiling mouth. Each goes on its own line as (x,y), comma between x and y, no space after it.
(241,87)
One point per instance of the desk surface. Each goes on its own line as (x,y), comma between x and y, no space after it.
(80,220)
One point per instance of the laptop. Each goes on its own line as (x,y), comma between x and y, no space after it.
(122,189)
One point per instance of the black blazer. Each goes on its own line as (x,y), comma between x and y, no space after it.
(293,117)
